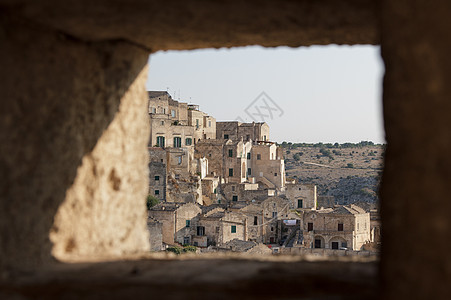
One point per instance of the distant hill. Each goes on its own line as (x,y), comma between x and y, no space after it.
(349,172)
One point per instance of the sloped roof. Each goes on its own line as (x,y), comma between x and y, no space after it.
(239,245)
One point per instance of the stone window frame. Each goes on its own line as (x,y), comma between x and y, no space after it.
(233,229)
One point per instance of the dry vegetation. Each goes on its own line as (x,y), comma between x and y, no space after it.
(350,173)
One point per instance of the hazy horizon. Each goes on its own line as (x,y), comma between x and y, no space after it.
(317,94)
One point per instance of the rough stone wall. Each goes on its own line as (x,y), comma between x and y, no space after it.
(157,187)
(233,219)
(108,188)
(305,192)
(155,235)
(213,151)
(167,219)
(185,212)
(415,185)
(227,128)
(59,94)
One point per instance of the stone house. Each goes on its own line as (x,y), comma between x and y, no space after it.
(336,228)
(157,173)
(176,220)
(267,165)
(217,227)
(176,124)
(301,195)
(236,131)
(245,191)
(274,209)
(155,234)
(204,125)
(236,158)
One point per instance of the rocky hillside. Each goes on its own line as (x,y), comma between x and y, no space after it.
(349,172)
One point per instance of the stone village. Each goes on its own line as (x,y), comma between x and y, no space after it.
(221,186)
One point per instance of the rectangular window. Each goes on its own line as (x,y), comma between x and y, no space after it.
(274,214)
(249,171)
(335,245)
(259,156)
(255,220)
(179,161)
(154,110)
(248,137)
(230,152)
(209,123)
(188,141)
(310,227)
(197,123)
(217,230)
(186,240)
(249,155)
(188,223)
(157,192)
(157,178)
(300,203)
(160,141)
(173,113)
(275,174)
(230,172)
(233,188)
(226,136)
(177,142)
(234,198)
(344,245)
(162,123)
(200,230)
(233,229)
(340,226)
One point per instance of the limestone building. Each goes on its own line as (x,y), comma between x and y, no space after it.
(343,227)
(236,131)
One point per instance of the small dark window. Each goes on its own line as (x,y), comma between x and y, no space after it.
(275,174)
(344,244)
(200,230)
(249,171)
(274,214)
(188,223)
(334,245)
(157,178)
(248,137)
(255,220)
(157,192)
(226,136)
(188,141)
(272,228)
(233,229)
(300,203)
(231,172)
(249,155)
(235,198)
(217,229)
(259,156)
(310,227)
(230,152)
(340,227)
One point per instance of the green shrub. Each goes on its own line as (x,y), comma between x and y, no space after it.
(189,248)
(175,249)
(151,201)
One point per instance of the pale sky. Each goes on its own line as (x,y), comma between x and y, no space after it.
(313,94)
